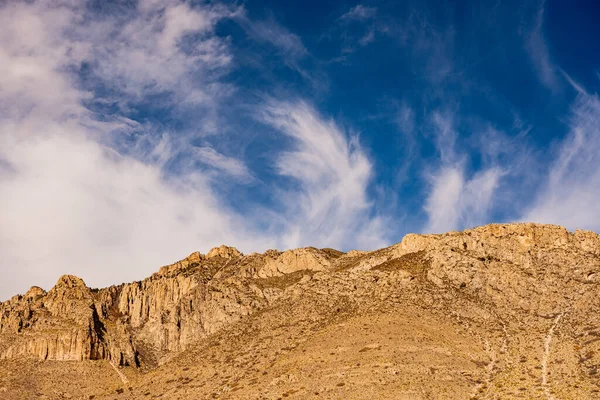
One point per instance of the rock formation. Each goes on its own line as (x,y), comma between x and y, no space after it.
(142,322)
(525,294)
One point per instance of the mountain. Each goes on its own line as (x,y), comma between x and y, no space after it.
(499,311)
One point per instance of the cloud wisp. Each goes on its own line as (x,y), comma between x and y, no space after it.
(570,197)
(359,13)
(539,53)
(457,198)
(226,165)
(332,204)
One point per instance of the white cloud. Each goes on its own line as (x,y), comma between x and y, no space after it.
(72,206)
(287,45)
(539,54)
(135,54)
(445,137)
(169,48)
(574,84)
(432,47)
(70,203)
(271,32)
(360,13)
(457,200)
(367,38)
(406,119)
(571,195)
(443,203)
(229,165)
(31,54)
(331,206)
(477,197)
(366,16)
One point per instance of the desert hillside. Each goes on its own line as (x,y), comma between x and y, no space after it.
(496,312)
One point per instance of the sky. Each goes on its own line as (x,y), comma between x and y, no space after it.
(133,133)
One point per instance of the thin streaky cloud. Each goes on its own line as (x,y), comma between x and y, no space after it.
(572,186)
(228,165)
(580,89)
(359,13)
(538,51)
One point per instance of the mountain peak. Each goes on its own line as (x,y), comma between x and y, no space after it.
(70,281)
(224,252)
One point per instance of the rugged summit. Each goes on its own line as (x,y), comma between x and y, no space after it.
(142,323)
(499,311)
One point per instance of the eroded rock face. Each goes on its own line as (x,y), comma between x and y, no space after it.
(59,325)
(224,252)
(517,271)
(295,260)
(535,268)
(34,292)
(143,322)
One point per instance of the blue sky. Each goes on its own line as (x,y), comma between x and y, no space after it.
(133,133)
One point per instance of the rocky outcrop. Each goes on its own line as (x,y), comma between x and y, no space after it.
(224,252)
(192,260)
(135,323)
(531,266)
(60,325)
(309,259)
(516,271)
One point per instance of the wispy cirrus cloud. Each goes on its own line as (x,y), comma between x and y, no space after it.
(228,165)
(287,46)
(270,31)
(574,84)
(363,16)
(71,205)
(571,184)
(457,198)
(331,205)
(405,118)
(570,195)
(538,51)
(134,133)
(157,48)
(457,201)
(359,12)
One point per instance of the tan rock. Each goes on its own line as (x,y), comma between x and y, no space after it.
(497,290)
(34,292)
(308,259)
(192,260)
(224,251)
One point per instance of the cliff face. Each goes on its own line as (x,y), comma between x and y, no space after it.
(508,281)
(143,322)
(59,325)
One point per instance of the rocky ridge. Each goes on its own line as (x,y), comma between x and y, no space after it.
(525,294)
(142,322)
